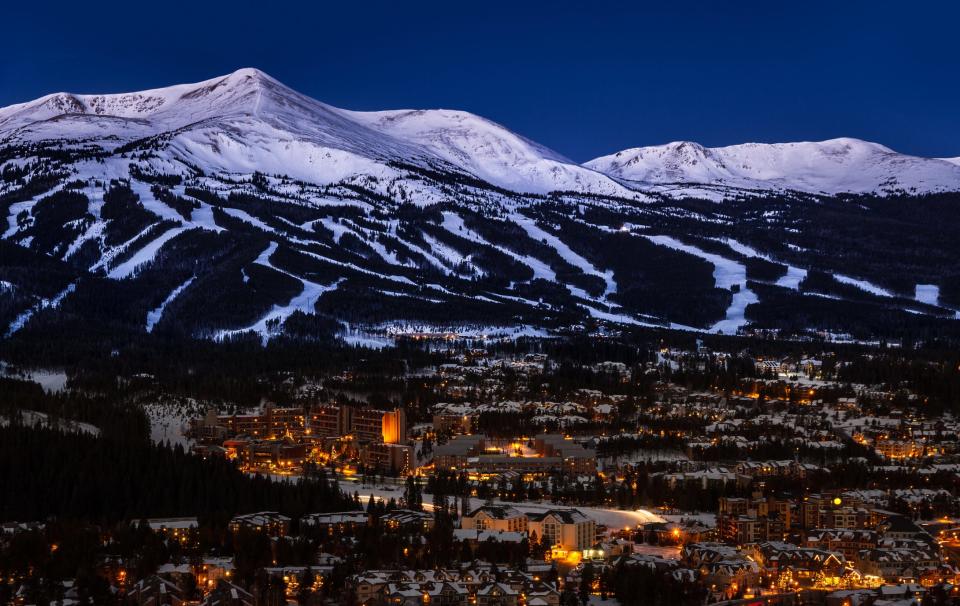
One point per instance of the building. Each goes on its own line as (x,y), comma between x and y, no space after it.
(394,427)
(575,459)
(327,422)
(551,454)
(898,564)
(335,523)
(182,530)
(155,590)
(453,423)
(497,594)
(406,519)
(269,522)
(365,424)
(228,594)
(721,565)
(566,529)
(274,454)
(502,518)
(271,423)
(754,520)
(803,566)
(849,542)
(384,456)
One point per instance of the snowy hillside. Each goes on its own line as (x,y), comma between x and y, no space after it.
(827,167)
(237,205)
(248,121)
(490,151)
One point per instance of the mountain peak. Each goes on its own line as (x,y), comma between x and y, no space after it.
(247,120)
(249,72)
(843,164)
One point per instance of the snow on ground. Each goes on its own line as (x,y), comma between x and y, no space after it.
(453,223)
(832,166)
(863,285)
(612,518)
(706,517)
(50,380)
(726,275)
(927,293)
(794,275)
(429,256)
(170,419)
(21,320)
(94,231)
(667,552)
(306,301)
(381,336)
(449,254)
(331,224)
(367,236)
(154,316)
(246,217)
(565,252)
(26,206)
(153,205)
(32,418)
(145,255)
(645,455)
(613,317)
(358,337)
(203,217)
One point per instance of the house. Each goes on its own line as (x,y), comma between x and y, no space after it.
(721,565)
(182,530)
(430,593)
(269,522)
(156,591)
(802,565)
(406,519)
(497,594)
(335,523)
(228,594)
(897,564)
(849,542)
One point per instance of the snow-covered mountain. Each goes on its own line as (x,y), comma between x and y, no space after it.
(490,152)
(248,121)
(237,204)
(827,167)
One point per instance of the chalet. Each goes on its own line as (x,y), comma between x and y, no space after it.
(268,522)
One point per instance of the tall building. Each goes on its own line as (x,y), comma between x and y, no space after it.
(394,426)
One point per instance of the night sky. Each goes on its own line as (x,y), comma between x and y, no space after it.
(585,78)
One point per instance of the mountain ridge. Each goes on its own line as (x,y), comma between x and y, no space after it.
(487,150)
(833,166)
(238,205)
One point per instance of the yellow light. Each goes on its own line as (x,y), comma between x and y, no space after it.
(837,501)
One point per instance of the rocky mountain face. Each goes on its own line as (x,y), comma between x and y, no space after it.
(237,204)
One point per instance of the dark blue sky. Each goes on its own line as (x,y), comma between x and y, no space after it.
(584,78)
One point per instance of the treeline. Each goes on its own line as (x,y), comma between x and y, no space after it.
(45,472)
(107,412)
(936,378)
(238,370)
